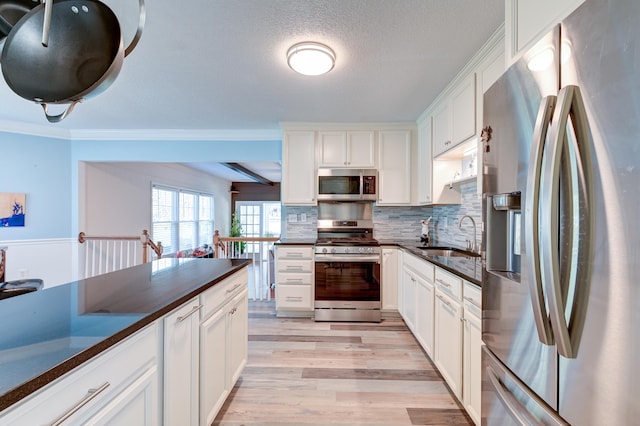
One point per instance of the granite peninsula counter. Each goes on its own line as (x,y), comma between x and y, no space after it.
(48,333)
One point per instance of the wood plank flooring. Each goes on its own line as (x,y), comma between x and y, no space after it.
(300,372)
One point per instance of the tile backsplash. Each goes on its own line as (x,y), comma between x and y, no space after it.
(402,223)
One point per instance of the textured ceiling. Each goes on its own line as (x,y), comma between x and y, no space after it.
(206,65)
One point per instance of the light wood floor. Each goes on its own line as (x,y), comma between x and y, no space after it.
(300,372)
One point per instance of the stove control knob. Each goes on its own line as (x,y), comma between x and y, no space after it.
(346,250)
(361,249)
(324,250)
(333,251)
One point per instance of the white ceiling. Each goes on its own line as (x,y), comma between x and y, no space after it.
(213,65)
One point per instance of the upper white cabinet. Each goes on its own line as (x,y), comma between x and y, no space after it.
(527,20)
(355,149)
(394,169)
(422,165)
(454,119)
(298,186)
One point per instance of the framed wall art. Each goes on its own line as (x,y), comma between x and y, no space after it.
(12,209)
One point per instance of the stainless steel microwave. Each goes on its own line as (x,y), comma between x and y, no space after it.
(347,184)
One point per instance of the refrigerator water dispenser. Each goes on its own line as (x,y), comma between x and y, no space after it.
(504,227)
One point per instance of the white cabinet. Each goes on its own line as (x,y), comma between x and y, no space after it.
(425,299)
(354,149)
(527,20)
(448,329)
(119,386)
(472,362)
(394,167)
(181,365)
(294,278)
(389,279)
(454,120)
(409,298)
(298,186)
(422,165)
(205,348)
(223,338)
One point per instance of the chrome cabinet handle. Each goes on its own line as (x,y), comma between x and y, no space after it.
(191,312)
(562,155)
(531,220)
(473,302)
(293,298)
(91,394)
(446,302)
(288,254)
(447,285)
(233,311)
(231,290)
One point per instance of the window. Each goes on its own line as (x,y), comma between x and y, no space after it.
(258,219)
(181,219)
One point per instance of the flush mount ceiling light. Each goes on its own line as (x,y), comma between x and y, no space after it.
(311,58)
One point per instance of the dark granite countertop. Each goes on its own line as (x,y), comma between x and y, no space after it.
(50,332)
(469,268)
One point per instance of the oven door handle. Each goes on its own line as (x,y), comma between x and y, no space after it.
(346,258)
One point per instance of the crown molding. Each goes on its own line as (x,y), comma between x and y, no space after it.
(141,134)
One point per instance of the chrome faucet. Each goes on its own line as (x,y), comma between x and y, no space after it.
(470,246)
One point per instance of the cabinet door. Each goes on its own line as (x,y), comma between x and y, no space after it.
(213,365)
(422,165)
(390,279)
(472,373)
(448,341)
(295,297)
(298,185)
(238,313)
(332,149)
(181,366)
(361,149)
(409,299)
(441,131)
(425,315)
(463,110)
(394,171)
(137,404)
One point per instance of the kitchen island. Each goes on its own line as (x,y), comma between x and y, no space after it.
(47,335)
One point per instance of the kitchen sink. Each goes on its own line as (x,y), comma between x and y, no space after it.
(447,251)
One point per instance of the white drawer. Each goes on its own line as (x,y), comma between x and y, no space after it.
(104,377)
(219,294)
(293,279)
(294,297)
(449,283)
(294,252)
(472,298)
(419,266)
(294,266)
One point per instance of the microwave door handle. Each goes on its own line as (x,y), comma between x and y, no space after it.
(570,105)
(531,222)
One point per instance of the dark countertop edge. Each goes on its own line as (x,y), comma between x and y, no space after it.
(22,391)
(434,260)
(286,242)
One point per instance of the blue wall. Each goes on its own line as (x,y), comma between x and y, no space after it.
(41,168)
(46,169)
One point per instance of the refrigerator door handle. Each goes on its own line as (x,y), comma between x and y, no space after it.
(531,222)
(579,175)
(513,406)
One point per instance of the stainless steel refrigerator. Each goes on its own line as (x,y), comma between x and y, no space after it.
(561,206)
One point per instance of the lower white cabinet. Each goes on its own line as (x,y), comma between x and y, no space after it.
(472,359)
(223,355)
(181,365)
(389,279)
(294,275)
(205,351)
(409,298)
(448,340)
(119,386)
(425,298)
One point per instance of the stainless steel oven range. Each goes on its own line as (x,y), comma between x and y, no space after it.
(347,268)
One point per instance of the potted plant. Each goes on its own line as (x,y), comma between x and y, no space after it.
(236,231)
